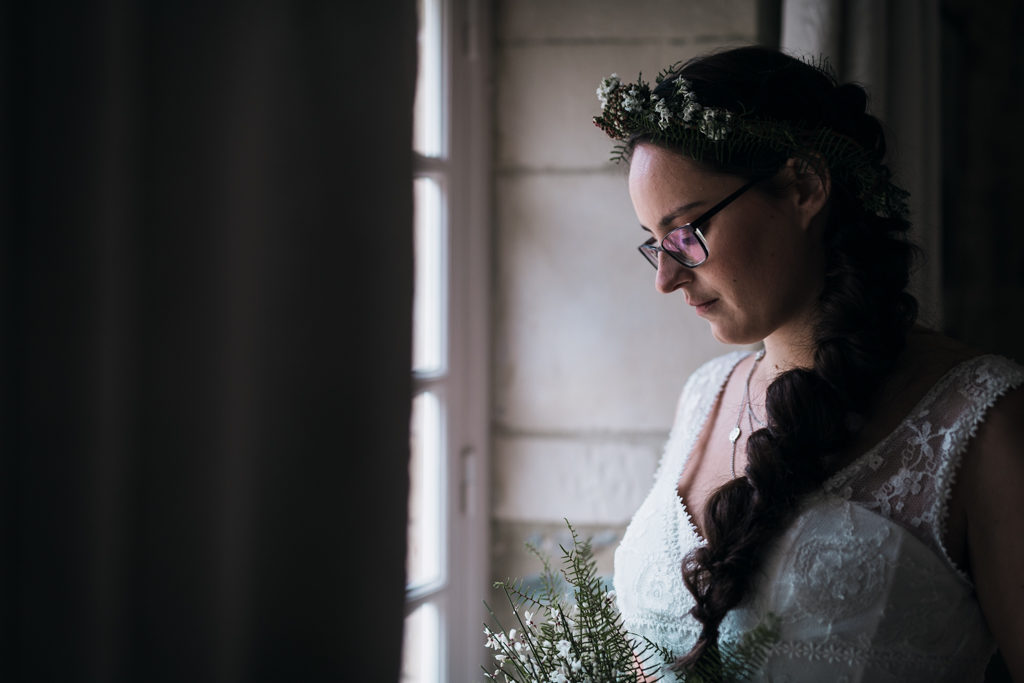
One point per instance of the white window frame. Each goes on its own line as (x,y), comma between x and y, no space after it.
(464,172)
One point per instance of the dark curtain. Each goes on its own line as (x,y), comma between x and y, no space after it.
(983,173)
(205,253)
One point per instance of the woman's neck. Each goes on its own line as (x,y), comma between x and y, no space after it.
(786,352)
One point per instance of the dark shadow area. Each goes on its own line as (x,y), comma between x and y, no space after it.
(204,354)
(983,174)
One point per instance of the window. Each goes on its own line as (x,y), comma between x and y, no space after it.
(448,512)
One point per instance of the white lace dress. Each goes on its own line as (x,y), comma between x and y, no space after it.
(861,581)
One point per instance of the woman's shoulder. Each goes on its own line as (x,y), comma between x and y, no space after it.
(932,357)
(936,375)
(988,492)
(981,394)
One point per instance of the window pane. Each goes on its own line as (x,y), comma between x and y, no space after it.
(423,564)
(428,309)
(428,127)
(420,646)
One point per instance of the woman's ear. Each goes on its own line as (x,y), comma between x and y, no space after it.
(811,185)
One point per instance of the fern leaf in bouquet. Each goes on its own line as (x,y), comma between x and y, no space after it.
(569,630)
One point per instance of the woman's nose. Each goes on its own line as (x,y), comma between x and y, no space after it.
(671,274)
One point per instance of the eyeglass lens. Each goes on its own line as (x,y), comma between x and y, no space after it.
(685,245)
(682,244)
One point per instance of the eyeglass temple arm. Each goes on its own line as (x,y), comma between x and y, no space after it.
(725,202)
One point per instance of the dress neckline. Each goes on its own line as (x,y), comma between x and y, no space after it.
(845,473)
(736,358)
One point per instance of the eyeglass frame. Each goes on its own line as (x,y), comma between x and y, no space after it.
(649,250)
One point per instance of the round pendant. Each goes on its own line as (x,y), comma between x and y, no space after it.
(734,434)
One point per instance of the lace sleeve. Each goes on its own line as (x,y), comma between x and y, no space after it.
(983,384)
(909,476)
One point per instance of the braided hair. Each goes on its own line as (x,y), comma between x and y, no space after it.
(864,314)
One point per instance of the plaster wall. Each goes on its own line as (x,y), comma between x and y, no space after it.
(588,358)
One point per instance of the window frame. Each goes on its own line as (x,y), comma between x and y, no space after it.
(462,385)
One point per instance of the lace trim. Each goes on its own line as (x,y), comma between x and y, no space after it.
(725,365)
(837,650)
(1013,377)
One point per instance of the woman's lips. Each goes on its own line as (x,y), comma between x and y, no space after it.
(703,308)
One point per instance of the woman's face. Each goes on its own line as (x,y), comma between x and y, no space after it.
(765,265)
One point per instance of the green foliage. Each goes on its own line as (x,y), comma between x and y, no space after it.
(570,630)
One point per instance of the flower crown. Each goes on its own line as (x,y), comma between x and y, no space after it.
(718,135)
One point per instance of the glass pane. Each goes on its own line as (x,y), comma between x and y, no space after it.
(428,307)
(428,127)
(423,562)
(420,646)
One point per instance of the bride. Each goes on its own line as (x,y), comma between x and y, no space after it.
(855,483)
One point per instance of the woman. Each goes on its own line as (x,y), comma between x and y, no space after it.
(853,487)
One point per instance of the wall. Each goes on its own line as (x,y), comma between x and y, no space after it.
(588,359)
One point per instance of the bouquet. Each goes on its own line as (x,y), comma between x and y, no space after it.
(570,631)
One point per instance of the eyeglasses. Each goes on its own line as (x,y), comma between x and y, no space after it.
(686,244)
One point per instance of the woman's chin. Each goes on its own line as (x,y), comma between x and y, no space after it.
(729,335)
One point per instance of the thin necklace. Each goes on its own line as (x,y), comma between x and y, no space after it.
(751,415)
(734,435)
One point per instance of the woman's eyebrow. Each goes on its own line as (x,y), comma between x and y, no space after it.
(666,221)
(676,212)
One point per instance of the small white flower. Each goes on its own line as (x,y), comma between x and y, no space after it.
(605,89)
(558,677)
(632,100)
(500,658)
(512,634)
(563,647)
(663,112)
(576,665)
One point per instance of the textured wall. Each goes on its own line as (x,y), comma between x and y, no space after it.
(588,359)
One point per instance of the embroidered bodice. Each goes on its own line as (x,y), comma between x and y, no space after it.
(860,582)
